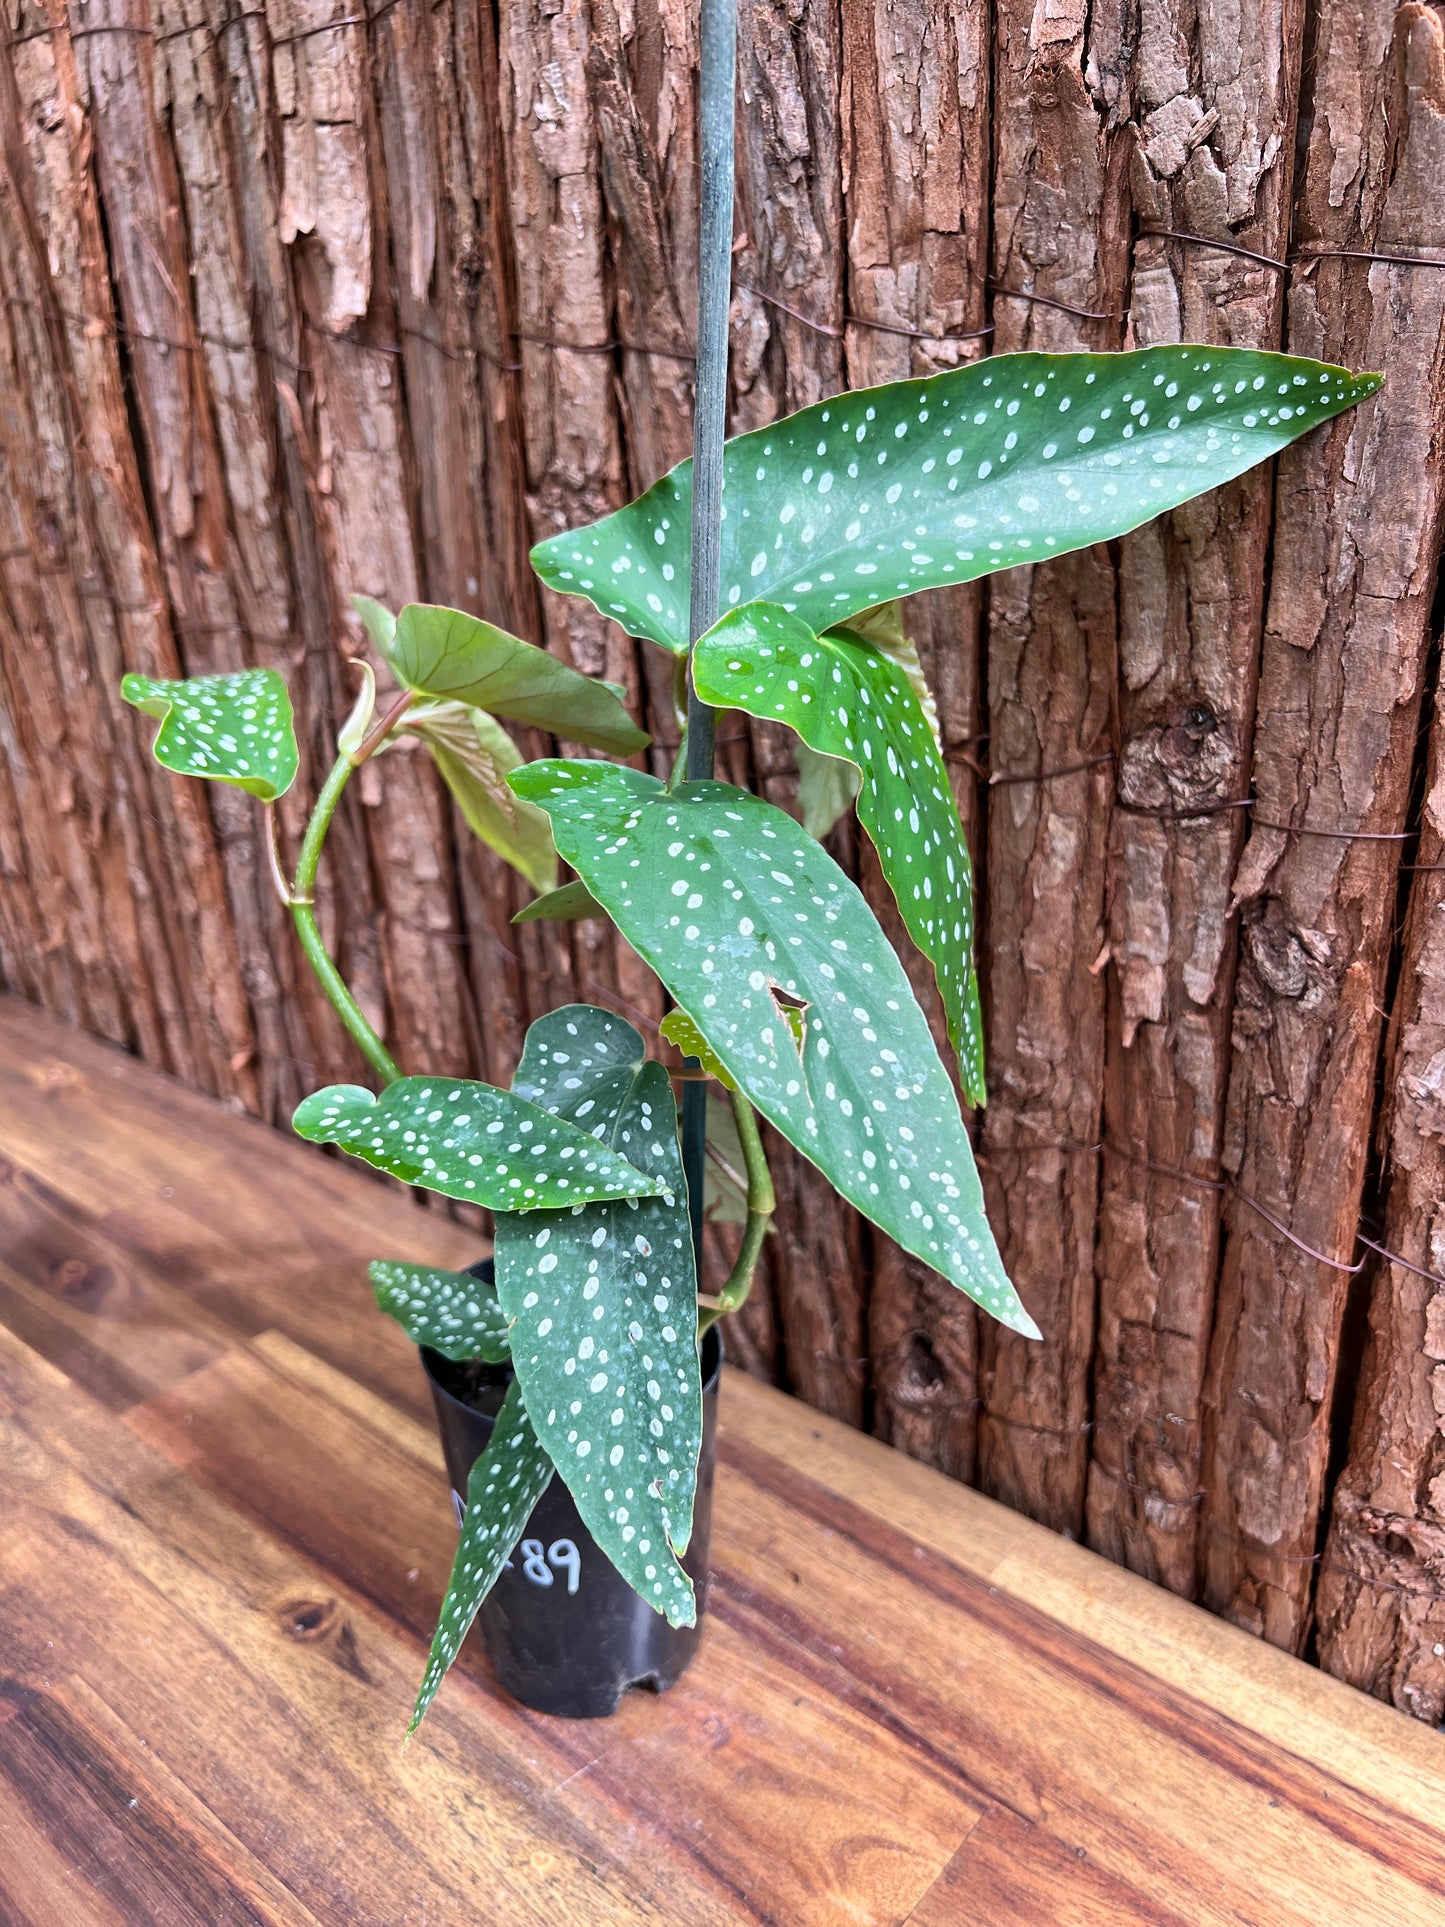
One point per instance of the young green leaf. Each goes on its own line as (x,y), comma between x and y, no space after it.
(352,733)
(470,1141)
(846,698)
(505,1484)
(377,620)
(449,655)
(474,755)
(234,729)
(453,1312)
(602,1305)
(827,789)
(743,916)
(569,904)
(887,490)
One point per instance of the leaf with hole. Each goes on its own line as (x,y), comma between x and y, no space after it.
(232,729)
(568,904)
(885,491)
(743,915)
(475,755)
(505,1484)
(470,1141)
(602,1305)
(846,698)
(451,1311)
(451,656)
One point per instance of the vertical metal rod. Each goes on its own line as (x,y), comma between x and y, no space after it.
(719,32)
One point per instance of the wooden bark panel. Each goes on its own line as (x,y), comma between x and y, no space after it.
(1058,212)
(1382,1575)
(1213,99)
(1357,533)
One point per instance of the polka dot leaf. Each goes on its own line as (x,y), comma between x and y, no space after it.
(744,916)
(453,1312)
(505,1484)
(875,494)
(233,729)
(847,699)
(447,654)
(471,1141)
(602,1305)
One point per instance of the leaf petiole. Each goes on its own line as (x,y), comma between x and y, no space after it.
(383,729)
(761,1204)
(309,932)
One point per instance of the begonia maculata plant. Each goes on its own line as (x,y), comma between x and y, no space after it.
(784,987)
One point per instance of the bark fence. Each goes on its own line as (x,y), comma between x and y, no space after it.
(306,298)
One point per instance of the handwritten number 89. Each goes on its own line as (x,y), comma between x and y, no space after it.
(561,1554)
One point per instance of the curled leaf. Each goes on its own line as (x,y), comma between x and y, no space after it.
(352,733)
(232,729)
(453,1312)
(474,755)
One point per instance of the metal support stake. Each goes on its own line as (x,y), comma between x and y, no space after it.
(709,428)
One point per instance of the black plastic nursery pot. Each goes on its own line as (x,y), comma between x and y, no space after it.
(565,1632)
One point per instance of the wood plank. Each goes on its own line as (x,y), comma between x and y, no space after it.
(754,1765)
(97,1832)
(1293,1706)
(910,1705)
(114,1166)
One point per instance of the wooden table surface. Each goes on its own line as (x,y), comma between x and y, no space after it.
(225,1532)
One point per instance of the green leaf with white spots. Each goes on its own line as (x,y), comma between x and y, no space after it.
(568,904)
(742,914)
(888,490)
(233,729)
(678,1028)
(475,755)
(827,789)
(470,1141)
(451,1311)
(846,698)
(505,1484)
(602,1305)
(449,655)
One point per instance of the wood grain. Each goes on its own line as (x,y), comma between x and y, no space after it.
(218,1572)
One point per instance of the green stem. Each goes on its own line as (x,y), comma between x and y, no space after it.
(761,1205)
(307,929)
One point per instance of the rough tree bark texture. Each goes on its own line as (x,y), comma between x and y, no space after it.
(1355,549)
(1382,1582)
(298,302)
(1213,98)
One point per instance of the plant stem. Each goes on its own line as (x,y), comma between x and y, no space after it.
(304,913)
(717,111)
(761,1205)
(383,729)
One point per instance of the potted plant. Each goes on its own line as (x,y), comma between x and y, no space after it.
(576,1381)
